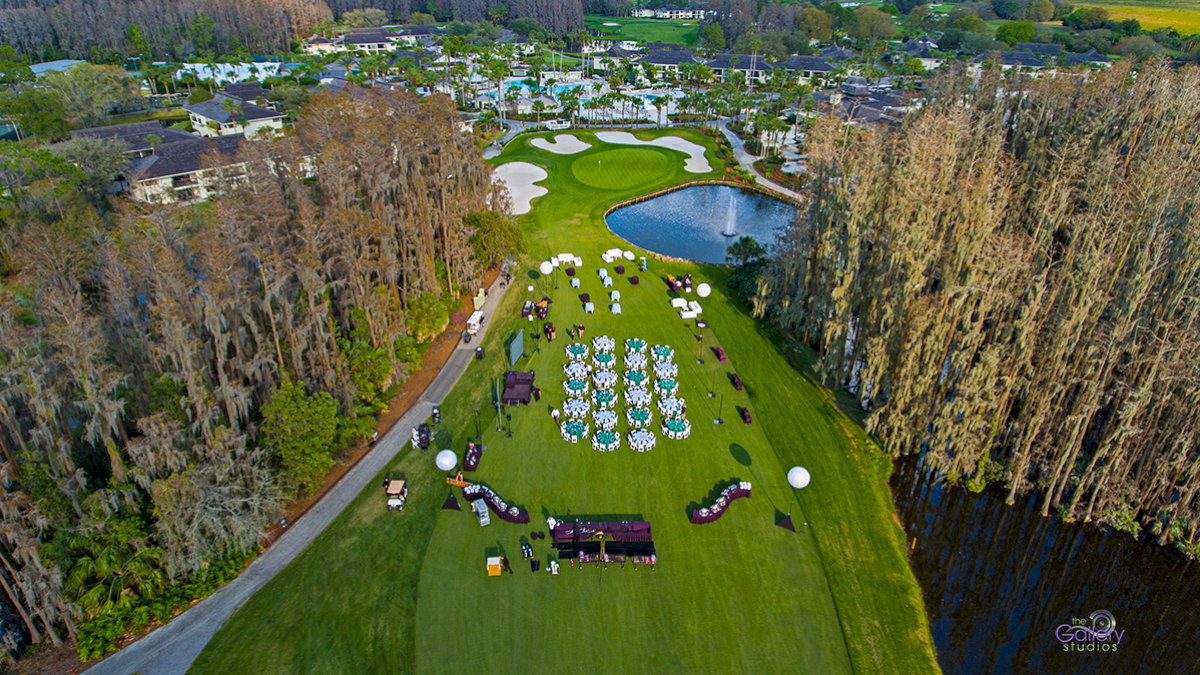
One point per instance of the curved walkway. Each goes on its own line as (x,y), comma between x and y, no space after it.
(171,649)
(747,160)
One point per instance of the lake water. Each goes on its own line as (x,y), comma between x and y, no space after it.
(1001,582)
(688,223)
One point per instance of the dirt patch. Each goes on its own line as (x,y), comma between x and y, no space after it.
(47,659)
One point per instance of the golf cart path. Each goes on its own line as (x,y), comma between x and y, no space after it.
(747,160)
(171,649)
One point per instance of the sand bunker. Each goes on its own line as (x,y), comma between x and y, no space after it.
(563,144)
(519,178)
(696,163)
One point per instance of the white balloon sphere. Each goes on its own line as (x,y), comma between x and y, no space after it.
(446,460)
(798,477)
(546,267)
(704,290)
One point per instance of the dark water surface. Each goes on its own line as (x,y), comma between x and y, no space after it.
(688,223)
(1000,580)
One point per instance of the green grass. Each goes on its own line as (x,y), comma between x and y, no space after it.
(1182,15)
(170,116)
(381,592)
(621,168)
(645,30)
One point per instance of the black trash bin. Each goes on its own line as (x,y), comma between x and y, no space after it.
(479,353)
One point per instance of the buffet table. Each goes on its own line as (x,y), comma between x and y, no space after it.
(498,506)
(711,513)
(474,453)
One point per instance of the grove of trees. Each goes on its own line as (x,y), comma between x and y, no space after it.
(108,31)
(171,376)
(1010,283)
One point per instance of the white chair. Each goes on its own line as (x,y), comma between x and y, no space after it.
(616,308)
(694,306)
(574,283)
(603,272)
(616,296)
(579,262)
(589,308)
(607,282)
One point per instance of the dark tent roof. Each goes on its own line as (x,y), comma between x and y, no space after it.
(565,533)
(451,504)
(786,523)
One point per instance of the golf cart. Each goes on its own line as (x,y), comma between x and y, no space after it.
(481,510)
(397,492)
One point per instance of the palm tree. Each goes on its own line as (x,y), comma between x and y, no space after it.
(234,108)
(660,104)
(754,45)
(538,108)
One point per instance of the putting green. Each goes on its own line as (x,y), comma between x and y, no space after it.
(385,592)
(622,168)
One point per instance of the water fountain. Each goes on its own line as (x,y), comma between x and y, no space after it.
(692,222)
(730,217)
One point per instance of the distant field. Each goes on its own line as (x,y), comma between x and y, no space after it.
(1183,15)
(645,30)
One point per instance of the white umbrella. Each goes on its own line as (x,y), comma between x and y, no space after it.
(546,267)
(445,460)
(704,290)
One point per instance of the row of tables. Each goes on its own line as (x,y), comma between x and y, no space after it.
(711,513)
(498,506)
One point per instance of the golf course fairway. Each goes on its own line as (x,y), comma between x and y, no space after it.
(387,592)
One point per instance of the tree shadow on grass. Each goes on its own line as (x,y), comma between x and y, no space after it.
(441,438)
(740,454)
(712,496)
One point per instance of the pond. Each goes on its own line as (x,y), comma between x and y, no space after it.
(690,223)
(1007,590)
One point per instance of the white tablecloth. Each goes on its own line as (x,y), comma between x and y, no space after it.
(637,398)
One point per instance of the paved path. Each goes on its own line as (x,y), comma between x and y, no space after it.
(747,160)
(514,127)
(170,650)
